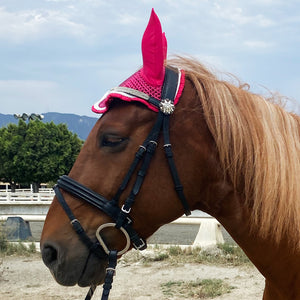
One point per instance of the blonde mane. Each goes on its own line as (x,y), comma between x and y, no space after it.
(259,149)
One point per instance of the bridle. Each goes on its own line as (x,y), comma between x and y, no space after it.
(120,216)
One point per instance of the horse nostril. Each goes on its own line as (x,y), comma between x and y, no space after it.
(49,255)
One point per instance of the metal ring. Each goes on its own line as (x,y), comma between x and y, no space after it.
(99,238)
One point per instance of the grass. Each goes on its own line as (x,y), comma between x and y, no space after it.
(222,255)
(225,254)
(198,289)
(234,254)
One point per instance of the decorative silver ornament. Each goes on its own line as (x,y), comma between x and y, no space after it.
(167,106)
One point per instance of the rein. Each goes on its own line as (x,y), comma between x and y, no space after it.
(120,216)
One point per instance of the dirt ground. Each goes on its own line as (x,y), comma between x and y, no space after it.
(28,278)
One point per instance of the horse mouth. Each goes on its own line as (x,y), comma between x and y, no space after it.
(84,269)
(93,272)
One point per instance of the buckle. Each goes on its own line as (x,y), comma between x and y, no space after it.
(77,226)
(142,246)
(153,143)
(124,209)
(111,269)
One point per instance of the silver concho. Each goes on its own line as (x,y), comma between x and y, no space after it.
(167,106)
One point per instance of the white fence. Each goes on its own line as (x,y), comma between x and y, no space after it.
(33,207)
(26,195)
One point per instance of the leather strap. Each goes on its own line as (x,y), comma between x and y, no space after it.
(169,92)
(149,147)
(110,273)
(80,191)
(92,246)
(169,155)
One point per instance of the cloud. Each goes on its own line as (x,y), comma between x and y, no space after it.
(40,96)
(26,95)
(238,16)
(74,50)
(127,19)
(27,85)
(24,25)
(258,44)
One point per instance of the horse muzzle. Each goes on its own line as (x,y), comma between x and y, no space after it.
(78,266)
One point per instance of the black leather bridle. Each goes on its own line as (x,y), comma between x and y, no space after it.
(120,216)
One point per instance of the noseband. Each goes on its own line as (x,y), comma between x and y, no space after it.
(120,216)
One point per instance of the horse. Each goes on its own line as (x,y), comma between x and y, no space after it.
(236,154)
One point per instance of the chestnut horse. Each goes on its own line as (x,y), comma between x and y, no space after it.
(238,157)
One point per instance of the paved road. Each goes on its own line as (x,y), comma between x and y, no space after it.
(168,234)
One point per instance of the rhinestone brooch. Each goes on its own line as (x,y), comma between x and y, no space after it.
(167,106)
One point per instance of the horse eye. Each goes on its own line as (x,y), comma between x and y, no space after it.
(110,140)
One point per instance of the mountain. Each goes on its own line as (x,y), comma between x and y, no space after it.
(81,125)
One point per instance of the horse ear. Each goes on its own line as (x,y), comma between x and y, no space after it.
(154,51)
(165,45)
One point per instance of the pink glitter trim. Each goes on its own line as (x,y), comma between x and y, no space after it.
(136,82)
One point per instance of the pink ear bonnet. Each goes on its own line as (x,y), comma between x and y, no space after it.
(148,81)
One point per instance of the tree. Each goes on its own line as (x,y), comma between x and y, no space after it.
(36,152)
(11,139)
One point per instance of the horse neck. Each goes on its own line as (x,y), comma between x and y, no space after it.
(213,193)
(271,258)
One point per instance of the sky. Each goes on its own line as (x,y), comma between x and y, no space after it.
(63,55)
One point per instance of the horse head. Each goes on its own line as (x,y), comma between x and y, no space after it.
(117,139)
